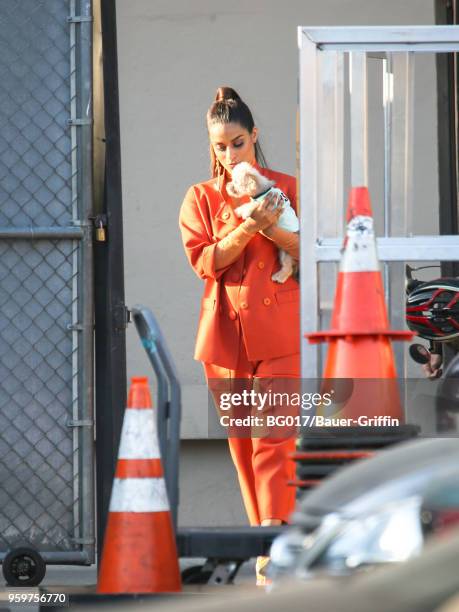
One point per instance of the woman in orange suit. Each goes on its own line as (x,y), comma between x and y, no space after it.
(249,325)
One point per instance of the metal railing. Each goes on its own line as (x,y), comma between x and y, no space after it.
(169,402)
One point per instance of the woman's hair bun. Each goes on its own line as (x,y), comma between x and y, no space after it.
(226,93)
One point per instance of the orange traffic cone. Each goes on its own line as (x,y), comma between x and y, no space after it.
(139,554)
(360,338)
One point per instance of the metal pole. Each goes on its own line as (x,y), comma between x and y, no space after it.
(86,306)
(446,12)
(308,209)
(388,94)
(41,233)
(447,132)
(359,118)
(110,309)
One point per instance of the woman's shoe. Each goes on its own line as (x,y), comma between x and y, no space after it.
(261,568)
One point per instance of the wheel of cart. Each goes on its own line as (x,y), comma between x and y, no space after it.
(196,574)
(23,566)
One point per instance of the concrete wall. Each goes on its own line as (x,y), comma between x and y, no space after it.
(172,56)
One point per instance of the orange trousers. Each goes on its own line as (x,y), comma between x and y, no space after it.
(262,464)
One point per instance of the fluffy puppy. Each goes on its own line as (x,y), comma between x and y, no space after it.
(247,181)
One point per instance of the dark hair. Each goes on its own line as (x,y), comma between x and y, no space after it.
(228,107)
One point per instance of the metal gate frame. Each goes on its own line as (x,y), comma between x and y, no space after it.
(446,12)
(316,248)
(111,316)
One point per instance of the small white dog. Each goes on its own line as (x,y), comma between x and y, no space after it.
(246,180)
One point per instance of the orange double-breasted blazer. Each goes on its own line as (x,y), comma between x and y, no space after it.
(240,298)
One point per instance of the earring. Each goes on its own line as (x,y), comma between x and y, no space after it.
(219,173)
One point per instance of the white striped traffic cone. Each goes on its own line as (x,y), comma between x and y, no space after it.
(139,554)
(360,338)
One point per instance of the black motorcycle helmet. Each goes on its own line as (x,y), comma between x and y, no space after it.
(432,308)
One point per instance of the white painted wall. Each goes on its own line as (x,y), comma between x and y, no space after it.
(172,56)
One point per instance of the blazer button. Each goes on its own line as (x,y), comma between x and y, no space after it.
(232,315)
(244,305)
(261,265)
(266,301)
(225,215)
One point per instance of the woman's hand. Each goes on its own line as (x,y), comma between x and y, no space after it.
(266,213)
(432,369)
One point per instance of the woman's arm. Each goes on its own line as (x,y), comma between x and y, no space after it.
(208,258)
(285,240)
(196,229)
(230,248)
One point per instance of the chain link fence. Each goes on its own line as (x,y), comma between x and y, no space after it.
(46,433)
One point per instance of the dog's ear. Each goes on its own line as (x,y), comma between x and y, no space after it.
(230,189)
(252,185)
(262,182)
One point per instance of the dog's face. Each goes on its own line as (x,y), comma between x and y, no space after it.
(246,180)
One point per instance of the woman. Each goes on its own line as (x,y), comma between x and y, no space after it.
(249,325)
